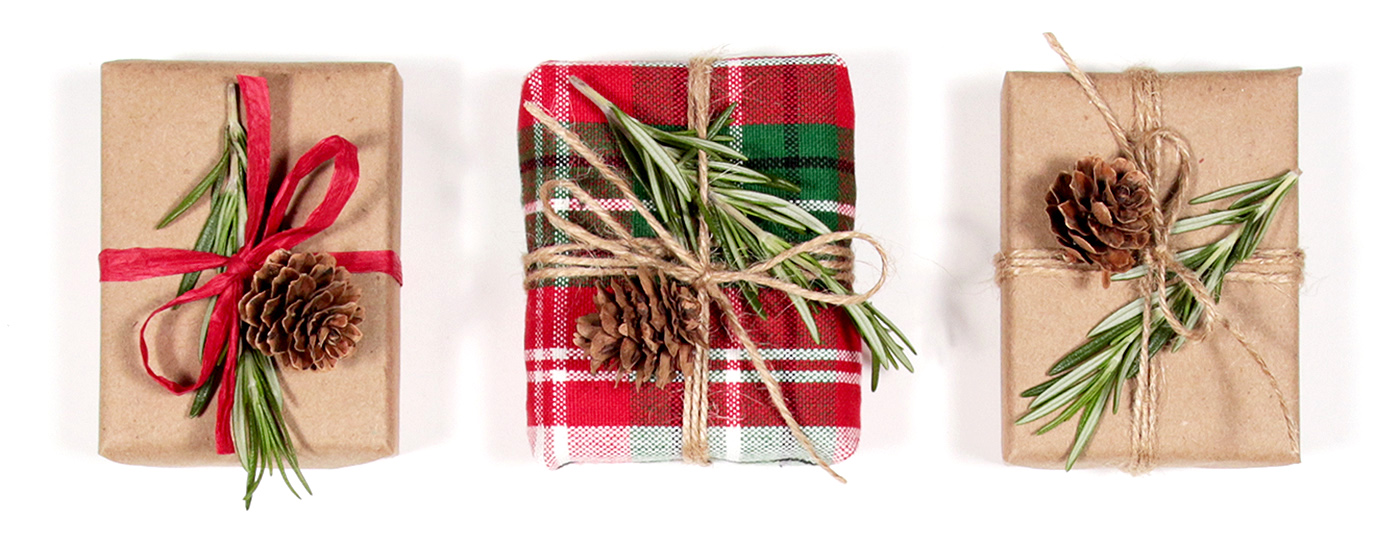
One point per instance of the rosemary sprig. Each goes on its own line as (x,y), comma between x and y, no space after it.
(1089,378)
(223,230)
(259,429)
(665,164)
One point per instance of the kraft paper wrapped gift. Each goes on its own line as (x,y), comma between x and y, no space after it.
(162,128)
(1216,408)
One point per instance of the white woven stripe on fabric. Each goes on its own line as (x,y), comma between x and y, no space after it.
(828,59)
(655,443)
(734,354)
(605,444)
(761,444)
(549,444)
(735,90)
(728,405)
(614,63)
(539,376)
(784,376)
(733,441)
(536,445)
(754,444)
(562,109)
(838,355)
(716,376)
(844,209)
(560,444)
(568,204)
(723,62)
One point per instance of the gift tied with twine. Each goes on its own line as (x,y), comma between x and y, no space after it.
(664,255)
(1165,156)
(263,235)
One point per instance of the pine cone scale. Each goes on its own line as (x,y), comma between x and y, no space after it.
(586,327)
(253,307)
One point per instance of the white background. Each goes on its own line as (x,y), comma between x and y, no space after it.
(927,83)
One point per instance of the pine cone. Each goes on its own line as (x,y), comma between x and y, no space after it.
(1099,213)
(301,309)
(648,324)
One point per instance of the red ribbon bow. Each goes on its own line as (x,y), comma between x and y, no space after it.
(261,239)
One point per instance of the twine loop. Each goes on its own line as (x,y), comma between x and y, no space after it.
(664,255)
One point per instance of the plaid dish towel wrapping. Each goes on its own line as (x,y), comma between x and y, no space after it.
(794,120)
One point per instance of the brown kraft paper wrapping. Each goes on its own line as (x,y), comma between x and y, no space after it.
(162,128)
(1216,408)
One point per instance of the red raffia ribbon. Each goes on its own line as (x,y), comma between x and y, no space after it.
(262,237)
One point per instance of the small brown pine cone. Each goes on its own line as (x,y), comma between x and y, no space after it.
(649,325)
(1100,213)
(302,309)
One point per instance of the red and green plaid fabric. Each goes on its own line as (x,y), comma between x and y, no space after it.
(795,121)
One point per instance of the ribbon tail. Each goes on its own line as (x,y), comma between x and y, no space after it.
(223,422)
(136,264)
(361,262)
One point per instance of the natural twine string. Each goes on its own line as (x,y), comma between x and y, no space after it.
(1153,148)
(664,255)
(1278,266)
(695,432)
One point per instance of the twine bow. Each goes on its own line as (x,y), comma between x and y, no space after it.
(664,255)
(262,237)
(1165,156)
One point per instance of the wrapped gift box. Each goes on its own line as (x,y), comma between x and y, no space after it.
(162,126)
(1216,408)
(794,120)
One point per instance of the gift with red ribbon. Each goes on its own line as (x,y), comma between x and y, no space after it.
(160,123)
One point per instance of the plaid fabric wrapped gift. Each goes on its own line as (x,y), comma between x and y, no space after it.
(794,120)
